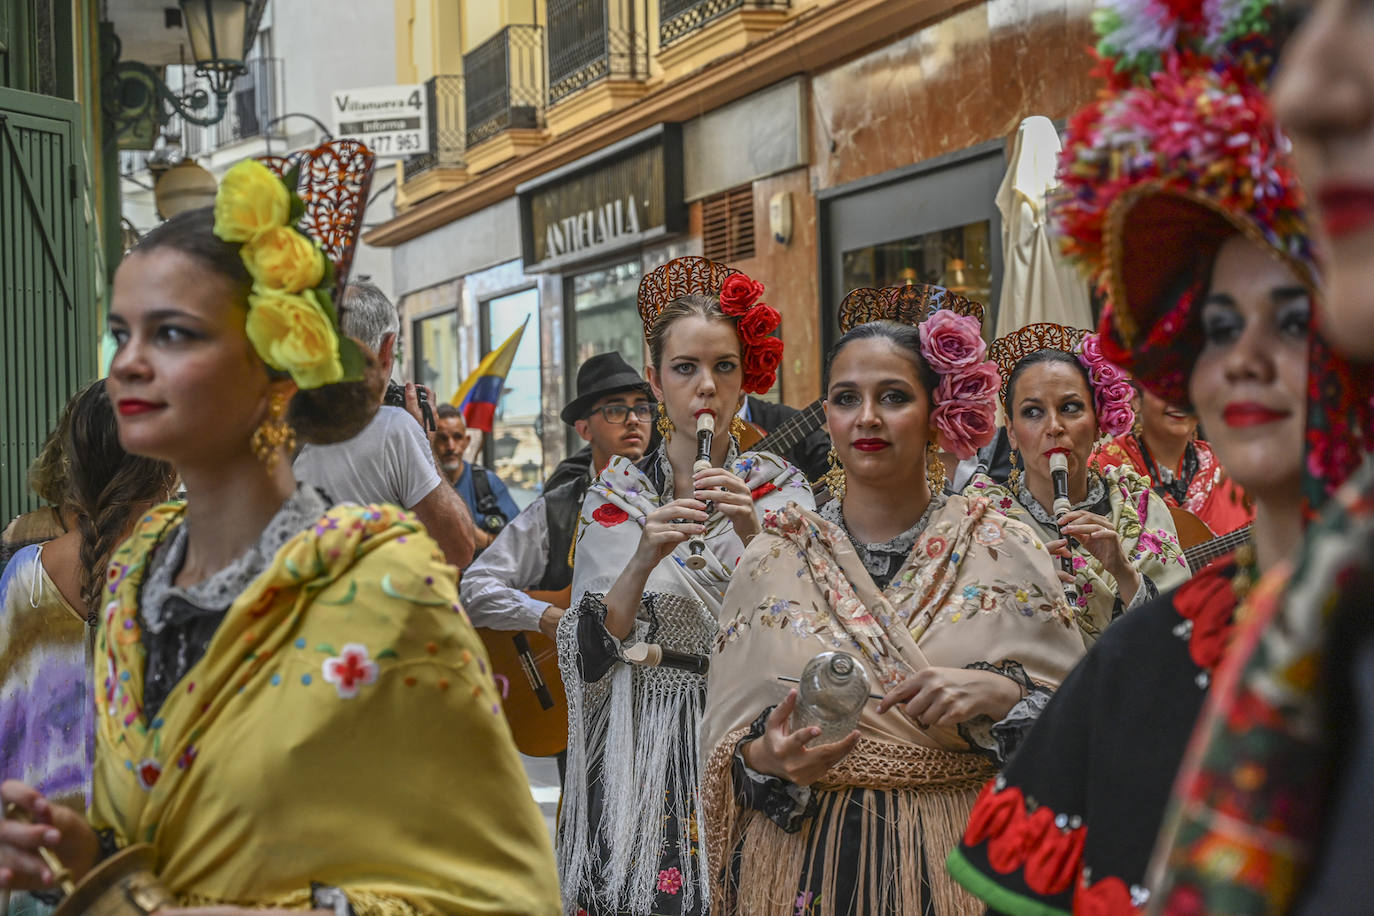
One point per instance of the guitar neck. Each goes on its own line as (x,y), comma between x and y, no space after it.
(1199,555)
(793,429)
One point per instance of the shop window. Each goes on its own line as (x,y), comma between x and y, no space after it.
(956,259)
(727,225)
(436,353)
(515,450)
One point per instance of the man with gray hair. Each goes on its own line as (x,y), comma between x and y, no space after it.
(390,461)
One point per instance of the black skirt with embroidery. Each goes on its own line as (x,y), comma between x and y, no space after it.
(1070,823)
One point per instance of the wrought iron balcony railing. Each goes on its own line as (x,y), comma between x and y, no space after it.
(504,81)
(591,40)
(447,134)
(256,100)
(679,18)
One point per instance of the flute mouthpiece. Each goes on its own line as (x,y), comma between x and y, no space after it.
(1058,462)
(706,420)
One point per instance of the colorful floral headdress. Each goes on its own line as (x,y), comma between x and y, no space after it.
(1179,152)
(292,322)
(761,353)
(962,411)
(1111,389)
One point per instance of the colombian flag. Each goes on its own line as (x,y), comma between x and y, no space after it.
(478,396)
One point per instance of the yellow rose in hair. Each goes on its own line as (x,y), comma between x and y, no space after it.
(291,332)
(250,200)
(282,258)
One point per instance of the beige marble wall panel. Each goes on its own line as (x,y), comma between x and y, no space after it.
(968,77)
(788,273)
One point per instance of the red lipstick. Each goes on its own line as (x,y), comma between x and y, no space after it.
(1058,450)
(1345,208)
(871,445)
(1240,415)
(127,407)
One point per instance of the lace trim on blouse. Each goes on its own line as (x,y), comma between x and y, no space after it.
(1096,501)
(219,591)
(884,559)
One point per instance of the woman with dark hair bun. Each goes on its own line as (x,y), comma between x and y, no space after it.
(283,689)
(49,596)
(952,610)
(1060,395)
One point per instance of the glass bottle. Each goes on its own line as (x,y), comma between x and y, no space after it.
(831,696)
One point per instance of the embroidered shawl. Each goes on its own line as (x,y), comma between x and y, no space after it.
(632,735)
(342,728)
(1147,536)
(1211,494)
(977,588)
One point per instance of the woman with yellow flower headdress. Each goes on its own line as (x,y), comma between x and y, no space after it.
(282,688)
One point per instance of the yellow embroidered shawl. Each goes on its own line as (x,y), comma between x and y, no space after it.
(341,728)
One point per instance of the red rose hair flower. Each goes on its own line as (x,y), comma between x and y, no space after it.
(738,294)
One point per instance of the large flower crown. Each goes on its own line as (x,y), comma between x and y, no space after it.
(755,322)
(1178,152)
(962,413)
(1111,389)
(292,322)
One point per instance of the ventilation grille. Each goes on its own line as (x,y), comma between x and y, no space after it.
(727,225)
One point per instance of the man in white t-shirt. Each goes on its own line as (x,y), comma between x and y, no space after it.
(390,461)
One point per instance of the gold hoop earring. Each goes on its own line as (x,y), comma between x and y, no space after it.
(1014,478)
(665,426)
(834,478)
(935,470)
(274,434)
(738,428)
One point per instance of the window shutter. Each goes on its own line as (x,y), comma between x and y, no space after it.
(727,225)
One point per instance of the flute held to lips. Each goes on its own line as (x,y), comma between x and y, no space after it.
(1059,477)
(706,428)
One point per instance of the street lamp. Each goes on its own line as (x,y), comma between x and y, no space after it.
(135,91)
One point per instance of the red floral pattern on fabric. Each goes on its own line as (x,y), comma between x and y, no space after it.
(761,491)
(608,516)
(1050,856)
(1108,897)
(1209,601)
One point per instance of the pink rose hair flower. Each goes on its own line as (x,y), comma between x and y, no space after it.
(963,411)
(1112,392)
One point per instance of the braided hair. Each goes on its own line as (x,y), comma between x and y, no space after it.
(106,486)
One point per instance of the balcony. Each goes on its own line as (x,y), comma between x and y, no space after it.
(255,101)
(504,79)
(679,19)
(447,134)
(594,40)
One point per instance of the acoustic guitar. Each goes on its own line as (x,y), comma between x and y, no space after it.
(788,433)
(525,666)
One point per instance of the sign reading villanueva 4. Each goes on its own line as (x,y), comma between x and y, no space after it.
(621,197)
(391,120)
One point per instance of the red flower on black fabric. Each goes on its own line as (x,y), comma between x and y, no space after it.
(1108,897)
(1048,847)
(1209,601)
(738,293)
(608,516)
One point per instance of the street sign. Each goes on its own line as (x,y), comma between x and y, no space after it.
(391,120)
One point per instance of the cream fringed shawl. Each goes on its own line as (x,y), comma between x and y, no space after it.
(976,588)
(636,727)
(342,728)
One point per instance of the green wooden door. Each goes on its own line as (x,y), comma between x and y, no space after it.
(48,312)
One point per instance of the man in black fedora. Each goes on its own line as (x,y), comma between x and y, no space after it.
(613,413)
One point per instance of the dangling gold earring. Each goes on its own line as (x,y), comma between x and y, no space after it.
(834,478)
(738,428)
(935,470)
(665,426)
(1014,478)
(274,434)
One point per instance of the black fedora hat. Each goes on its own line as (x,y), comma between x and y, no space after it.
(602,374)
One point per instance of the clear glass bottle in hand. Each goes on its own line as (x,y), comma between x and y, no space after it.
(831,696)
